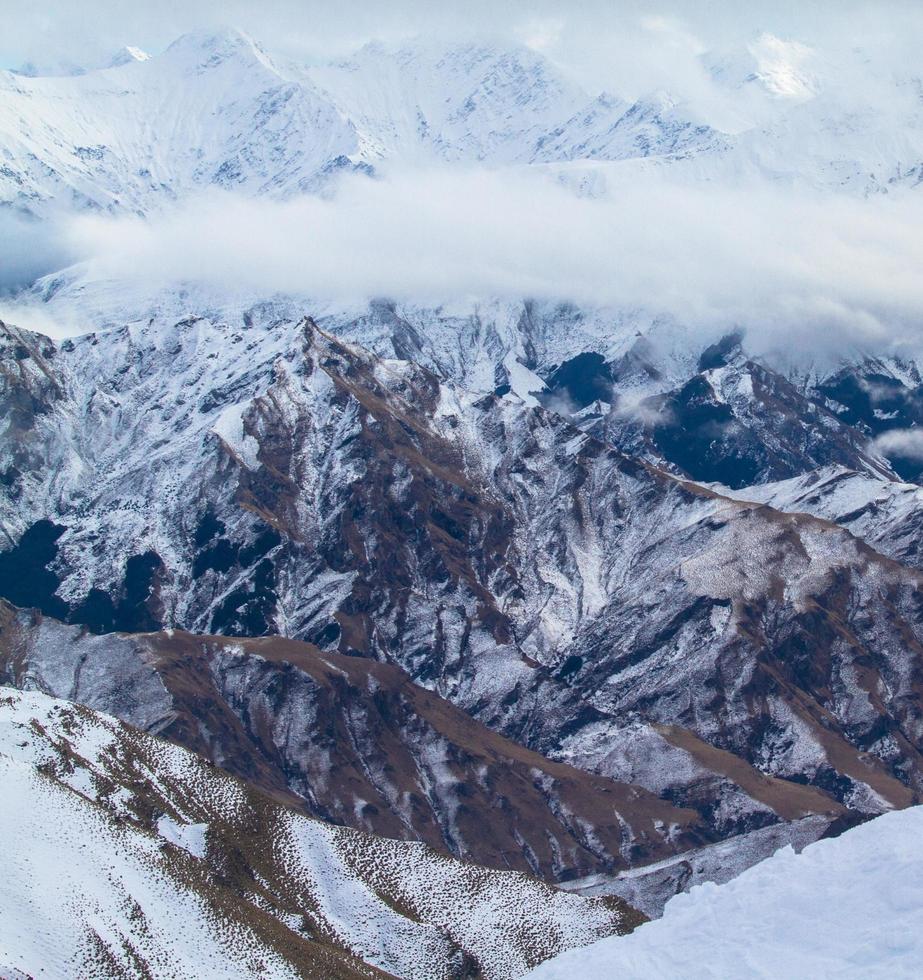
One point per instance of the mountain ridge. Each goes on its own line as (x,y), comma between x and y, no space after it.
(463,571)
(170,862)
(384,755)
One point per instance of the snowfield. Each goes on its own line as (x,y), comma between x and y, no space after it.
(851,907)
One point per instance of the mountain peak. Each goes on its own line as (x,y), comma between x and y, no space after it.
(782,68)
(208,48)
(126,56)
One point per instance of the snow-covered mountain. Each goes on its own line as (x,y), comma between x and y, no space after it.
(474,102)
(212,110)
(611,129)
(590,591)
(582,602)
(355,742)
(846,908)
(128,856)
(216,109)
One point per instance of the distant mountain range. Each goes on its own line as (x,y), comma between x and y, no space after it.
(215,109)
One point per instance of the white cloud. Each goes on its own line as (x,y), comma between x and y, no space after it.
(906,443)
(790,267)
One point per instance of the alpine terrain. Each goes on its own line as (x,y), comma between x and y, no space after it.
(355,622)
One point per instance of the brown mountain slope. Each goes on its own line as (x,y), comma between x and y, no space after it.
(127,856)
(576,600)
(357,743)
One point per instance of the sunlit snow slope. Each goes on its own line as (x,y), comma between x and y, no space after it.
(126,856)
(851,907)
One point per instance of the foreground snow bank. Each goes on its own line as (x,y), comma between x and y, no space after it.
(849,907)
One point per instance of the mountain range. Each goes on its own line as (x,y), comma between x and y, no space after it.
(216,109)
(320,615)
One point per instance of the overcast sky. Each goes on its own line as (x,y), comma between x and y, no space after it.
(610,43)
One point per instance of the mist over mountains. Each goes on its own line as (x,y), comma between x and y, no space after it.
(432,172)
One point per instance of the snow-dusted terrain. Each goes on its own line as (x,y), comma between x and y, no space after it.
(635,586)
(851,907)
(886,513)
(216,109)
(126,856)
(580,601)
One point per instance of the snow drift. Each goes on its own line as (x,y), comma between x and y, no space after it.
(848,907)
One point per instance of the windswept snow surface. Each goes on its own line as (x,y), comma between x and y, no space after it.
(848,907)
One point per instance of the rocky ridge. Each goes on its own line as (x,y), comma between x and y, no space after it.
(129,855)
(353,742)
(584,603)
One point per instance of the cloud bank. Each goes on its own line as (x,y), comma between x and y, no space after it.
(792,267)
(903,443)
(785,265)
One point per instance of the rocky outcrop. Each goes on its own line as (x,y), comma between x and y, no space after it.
(735,421)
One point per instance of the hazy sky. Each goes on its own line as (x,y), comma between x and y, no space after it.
(610,43)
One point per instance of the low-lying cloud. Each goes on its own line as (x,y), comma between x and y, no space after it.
(790,267)
(903,443)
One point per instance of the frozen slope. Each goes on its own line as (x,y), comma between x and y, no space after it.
(474,102)
(216,110)
(885,513)
(851,907)
(127,856)
(212,111)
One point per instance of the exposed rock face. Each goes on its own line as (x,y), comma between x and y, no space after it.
(754,665)
(878,396)
(353,742)
(128,856)
(29,390)
(734,422)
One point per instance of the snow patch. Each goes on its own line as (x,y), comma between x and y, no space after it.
(191,837)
